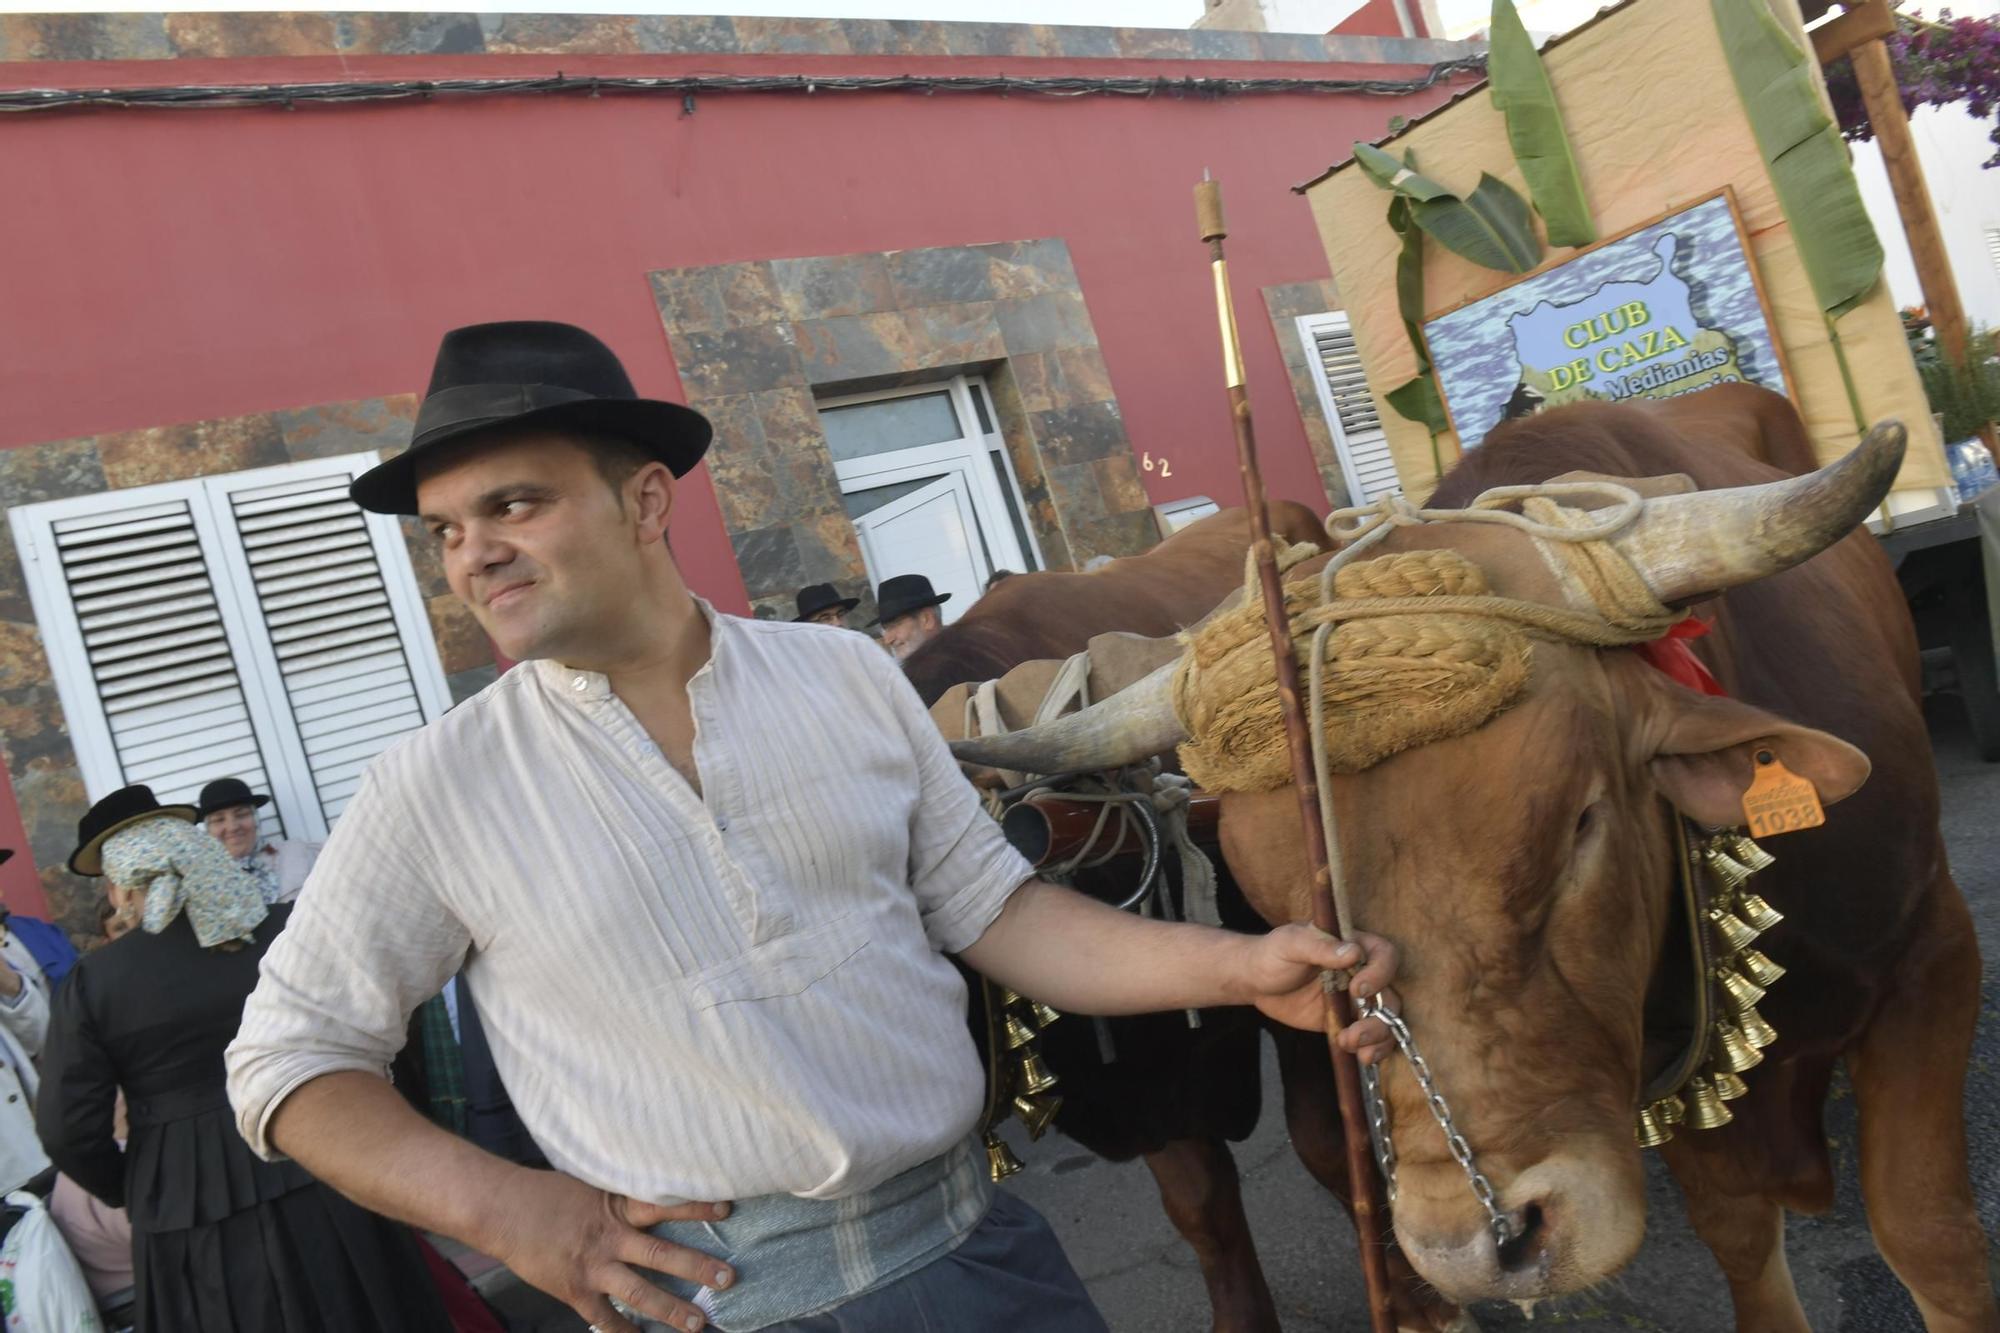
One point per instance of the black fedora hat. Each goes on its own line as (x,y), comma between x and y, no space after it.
(226,794)
(817,597)
(127,805)
(903,593)
(530,373)
(6,855)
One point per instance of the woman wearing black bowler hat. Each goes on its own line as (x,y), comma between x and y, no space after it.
(222,1241)
(228,810)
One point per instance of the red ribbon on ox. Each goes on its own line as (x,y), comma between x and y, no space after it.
(1672,655)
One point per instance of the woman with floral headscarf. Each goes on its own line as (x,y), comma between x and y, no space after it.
(222,1241)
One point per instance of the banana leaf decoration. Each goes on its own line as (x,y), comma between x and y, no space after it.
(1803,151)
(1417,399)
(1520,89)
(1492,226)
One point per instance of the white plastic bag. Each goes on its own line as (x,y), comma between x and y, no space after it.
(41,1285)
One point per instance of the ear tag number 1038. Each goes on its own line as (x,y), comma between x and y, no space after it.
(1779,800)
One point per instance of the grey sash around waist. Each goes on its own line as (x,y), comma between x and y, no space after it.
(797,1257)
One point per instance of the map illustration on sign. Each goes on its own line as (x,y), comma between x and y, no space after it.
(1671,308)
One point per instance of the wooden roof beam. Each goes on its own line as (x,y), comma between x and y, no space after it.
(1868,21)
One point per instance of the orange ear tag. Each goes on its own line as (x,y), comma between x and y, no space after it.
(1779,800)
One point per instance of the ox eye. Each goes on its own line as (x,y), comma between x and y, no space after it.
(1587,822)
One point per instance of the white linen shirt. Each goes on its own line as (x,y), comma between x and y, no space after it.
(688,997)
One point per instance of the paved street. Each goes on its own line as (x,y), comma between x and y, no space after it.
(1146,1281)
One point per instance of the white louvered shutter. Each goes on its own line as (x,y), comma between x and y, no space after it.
(254,625)
(1993,246)
(323,600)
(139,606)
(1358,436)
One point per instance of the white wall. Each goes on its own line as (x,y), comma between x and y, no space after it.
(1315,16)
(1951,145)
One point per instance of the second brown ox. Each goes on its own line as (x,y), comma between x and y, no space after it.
(1526,869)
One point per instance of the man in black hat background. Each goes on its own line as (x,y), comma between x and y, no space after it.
(759,1093)
(822,604)
(228,810)
(907,610)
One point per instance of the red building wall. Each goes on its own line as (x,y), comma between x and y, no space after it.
(158,266)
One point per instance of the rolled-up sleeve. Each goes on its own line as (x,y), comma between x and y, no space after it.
(962,868)
(369,940)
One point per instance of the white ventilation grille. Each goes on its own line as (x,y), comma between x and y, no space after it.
(323,601)
(157,649)
(1993,246)
(1350,409)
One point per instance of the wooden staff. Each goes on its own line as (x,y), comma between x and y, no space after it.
(1365,1184)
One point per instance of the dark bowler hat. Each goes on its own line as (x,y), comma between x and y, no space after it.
(904,593)
(227,794)
(817,597)
(127,805)
(529,373)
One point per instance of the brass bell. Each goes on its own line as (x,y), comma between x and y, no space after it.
(1733,1051)
(1036,1113)
(1754,965)
(1019,1034)
(1728,872)
(1009,997)
(1760,914)
(1740,991)
(1035,1075)
(1755,858)
(1043,1014)
(1652,1131)
(1735,935)
(1728,1086)
(1671,1110)
(1705,1108)
(1000,1159)
(1755,1030)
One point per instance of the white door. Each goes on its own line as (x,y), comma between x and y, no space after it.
(931,531)
(925,477)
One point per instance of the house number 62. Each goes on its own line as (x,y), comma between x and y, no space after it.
(1166,468)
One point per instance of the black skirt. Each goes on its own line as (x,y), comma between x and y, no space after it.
(224,1242)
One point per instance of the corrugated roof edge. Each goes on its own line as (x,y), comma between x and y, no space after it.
(56,38)
(1447,105)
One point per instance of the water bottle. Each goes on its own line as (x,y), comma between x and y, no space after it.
(1983,472)
(1962,483)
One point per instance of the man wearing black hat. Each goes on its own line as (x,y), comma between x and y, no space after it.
(907,610)
(822,604)
(699,873)
(228,810)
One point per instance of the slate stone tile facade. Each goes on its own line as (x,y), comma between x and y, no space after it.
(757,343)
(25,37)
(1285,303)
(34,734)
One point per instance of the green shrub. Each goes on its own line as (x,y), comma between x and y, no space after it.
(1969,399)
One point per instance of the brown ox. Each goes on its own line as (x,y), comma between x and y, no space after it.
(1051,614)
(1525,868)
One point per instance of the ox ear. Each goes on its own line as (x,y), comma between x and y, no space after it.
(1704,759)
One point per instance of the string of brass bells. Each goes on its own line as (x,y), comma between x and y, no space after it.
(1020,1078)
(1737,976)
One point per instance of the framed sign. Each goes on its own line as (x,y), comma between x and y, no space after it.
(1668,308)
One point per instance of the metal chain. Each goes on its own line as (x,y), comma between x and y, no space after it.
(1378,1116)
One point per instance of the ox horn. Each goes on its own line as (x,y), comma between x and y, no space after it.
(1136,723)
(1690,546)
